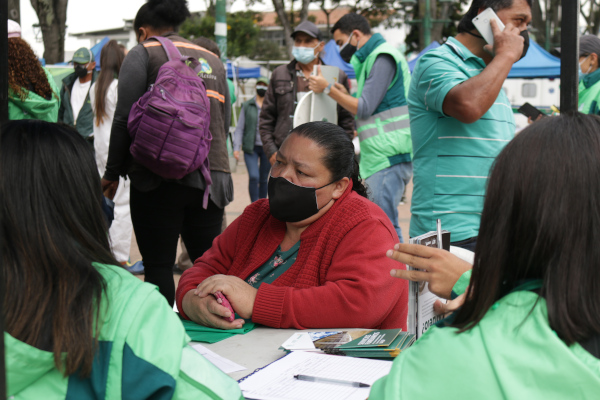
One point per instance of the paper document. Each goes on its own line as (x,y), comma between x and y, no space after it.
(299,341)
(222,363)
(276,381)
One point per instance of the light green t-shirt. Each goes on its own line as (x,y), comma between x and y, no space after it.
(452,160)
(512,353)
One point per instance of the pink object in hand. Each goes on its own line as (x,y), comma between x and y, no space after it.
(225,303)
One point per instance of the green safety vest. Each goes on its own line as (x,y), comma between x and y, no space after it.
(251,117)
(385,135)
(589,93)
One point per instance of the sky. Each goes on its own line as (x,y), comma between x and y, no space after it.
(91,15)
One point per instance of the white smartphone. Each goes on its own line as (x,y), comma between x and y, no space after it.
(482,23)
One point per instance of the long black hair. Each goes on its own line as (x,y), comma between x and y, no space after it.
(339,157)
(541,220)
(53,229)
(111,59)
(162,14)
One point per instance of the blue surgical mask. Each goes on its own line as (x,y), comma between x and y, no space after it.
(581,73)
(304,55)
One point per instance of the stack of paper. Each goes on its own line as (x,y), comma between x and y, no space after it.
(367,343)
(420,300)
(276,381)
(387,343)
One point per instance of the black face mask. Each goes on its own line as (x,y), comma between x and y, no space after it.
(81,70)
(292,203)
(347,51)
(261,92)
(525,35)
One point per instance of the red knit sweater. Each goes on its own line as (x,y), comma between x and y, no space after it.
(341,277)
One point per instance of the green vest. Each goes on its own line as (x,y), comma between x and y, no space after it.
(384,136)
(251,119)
(589,93)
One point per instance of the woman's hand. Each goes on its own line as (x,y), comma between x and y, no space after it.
(441,268)
(208,312)
(441,308)
(240,294)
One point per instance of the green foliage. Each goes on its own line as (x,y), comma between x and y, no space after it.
(267,50)
(242,31)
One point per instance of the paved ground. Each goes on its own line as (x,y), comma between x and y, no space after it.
(242,199)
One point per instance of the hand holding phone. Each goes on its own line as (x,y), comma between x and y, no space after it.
(530,111)
(483,24)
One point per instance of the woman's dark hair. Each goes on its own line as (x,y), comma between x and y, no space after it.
(465,24)
(541,220)
(162,14)
(339,157)
(25,72)
(53,229)
(350,22)
(111,59)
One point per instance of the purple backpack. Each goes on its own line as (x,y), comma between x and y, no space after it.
(169,123)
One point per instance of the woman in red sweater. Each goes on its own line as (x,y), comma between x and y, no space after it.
(311,256)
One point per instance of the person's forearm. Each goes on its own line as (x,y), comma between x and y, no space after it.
(471,99)
(345,100)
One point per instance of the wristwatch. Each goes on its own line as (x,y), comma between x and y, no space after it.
(328,88)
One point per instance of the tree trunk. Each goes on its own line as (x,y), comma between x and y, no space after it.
(285,23)
(14,10)
(438,27)
(52,15)
(304,10)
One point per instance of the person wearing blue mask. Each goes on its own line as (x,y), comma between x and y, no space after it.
(589,74)
(289,84)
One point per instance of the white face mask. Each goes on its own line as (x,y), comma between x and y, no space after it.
(581,73)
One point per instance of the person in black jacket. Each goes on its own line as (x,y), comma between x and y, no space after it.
(287,81)
(163,209)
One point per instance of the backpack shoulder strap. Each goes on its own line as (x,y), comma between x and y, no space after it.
(172,52)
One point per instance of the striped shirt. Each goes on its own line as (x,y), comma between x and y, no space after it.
(452,160)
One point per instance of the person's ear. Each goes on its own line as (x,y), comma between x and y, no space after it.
(321,46)
(340,187)
(594,60)
(91,66)
(142,35)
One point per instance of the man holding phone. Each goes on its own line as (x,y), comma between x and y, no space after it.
(460,119)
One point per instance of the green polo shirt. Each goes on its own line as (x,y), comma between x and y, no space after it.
(451,159)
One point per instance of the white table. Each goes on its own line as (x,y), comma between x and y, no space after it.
(256,348)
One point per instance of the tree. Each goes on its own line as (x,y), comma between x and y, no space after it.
(590,9)
(52,15)
(287,23)
(242,31)
(545,23)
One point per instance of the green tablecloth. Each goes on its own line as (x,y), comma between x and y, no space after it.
(199,333)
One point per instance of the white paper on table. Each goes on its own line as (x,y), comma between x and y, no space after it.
(222,363)
(276,380)
(299,341)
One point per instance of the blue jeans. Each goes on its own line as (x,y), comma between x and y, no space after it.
(386,188)
(258,176)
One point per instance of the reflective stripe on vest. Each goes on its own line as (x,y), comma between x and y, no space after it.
(388,121)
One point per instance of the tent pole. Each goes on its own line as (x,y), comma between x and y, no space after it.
(3,118)
(569,55)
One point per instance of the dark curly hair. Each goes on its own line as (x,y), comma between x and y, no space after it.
(25,72)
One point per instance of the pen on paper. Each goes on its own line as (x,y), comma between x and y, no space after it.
(316,379)
(439,233)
